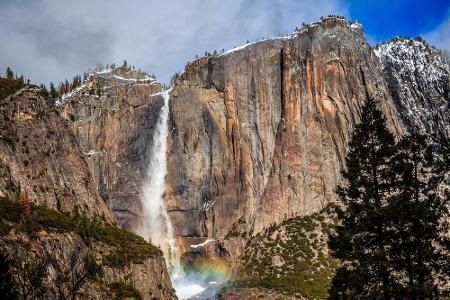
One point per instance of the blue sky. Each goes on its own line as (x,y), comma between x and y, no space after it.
(50,40)
(384,19)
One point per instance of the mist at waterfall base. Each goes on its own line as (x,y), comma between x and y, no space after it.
(205,276)
(156,225)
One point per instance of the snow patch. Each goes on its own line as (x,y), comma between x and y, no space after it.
(202,244)
(252,43)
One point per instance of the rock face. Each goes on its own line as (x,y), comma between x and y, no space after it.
(259,133)
(418,76)
(150,277)
(40,155)
(113,116)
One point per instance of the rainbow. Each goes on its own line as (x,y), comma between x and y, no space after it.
(212,269)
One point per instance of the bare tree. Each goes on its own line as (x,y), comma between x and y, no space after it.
(72,275)
(29,271)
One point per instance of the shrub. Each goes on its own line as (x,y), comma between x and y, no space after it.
(124,291)
(93,269)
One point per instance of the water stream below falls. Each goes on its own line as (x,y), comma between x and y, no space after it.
(157,226)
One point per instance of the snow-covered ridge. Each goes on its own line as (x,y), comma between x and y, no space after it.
(118,75)
(413,56)
(254,43)
(354,26)
(419,76)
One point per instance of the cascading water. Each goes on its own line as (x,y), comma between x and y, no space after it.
(153,206)
(156,225)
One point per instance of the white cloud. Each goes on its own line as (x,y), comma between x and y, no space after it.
(440,37)
(49,40)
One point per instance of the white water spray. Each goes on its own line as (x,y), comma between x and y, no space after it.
(156,225)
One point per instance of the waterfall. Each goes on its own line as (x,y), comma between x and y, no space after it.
(156,225)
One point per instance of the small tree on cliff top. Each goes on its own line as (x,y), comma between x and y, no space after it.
(9,73)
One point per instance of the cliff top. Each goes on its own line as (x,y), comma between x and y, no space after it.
(331,21)
(109,76)
(324,22)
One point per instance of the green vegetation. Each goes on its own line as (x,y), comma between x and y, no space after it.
(393,221)
(116,259)
(232,233)
(124,291)
(291,258)
(73,275)
(131,247)
(235,230)
(9,86)
(93,269)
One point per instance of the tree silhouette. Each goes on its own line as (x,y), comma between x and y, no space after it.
(361,238)
(418,220)
(393,230)
(9,73)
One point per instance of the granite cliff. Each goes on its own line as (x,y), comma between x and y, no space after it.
(113,115)
(258,134)
(53,221)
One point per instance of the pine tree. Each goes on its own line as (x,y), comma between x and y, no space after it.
(76,81)
(66,87)
(9,73)
(99,87)
(362,236)
(174,78)
(418,221)
(53,91)
(393,231)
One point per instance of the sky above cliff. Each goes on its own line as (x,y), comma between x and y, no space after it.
(50,40)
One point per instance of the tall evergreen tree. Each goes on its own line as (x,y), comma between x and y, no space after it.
(393,231)
(418,221)
(9,73)
(53,91)
(362,236)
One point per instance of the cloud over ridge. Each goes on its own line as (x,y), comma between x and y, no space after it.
(50,40)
